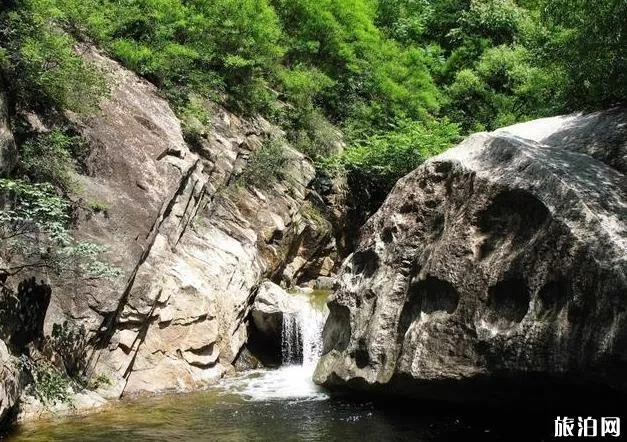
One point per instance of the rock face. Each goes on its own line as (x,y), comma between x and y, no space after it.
(9,384)
(8,151)
(502,259)
(191,242)
(271,303)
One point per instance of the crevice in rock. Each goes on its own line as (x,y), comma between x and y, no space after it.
(551,299)
(141,337)
(508,302)
(365,262)
(337,329)
(387,235)
(427,296)
(513,214)
(361,356)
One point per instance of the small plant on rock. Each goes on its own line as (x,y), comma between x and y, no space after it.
(48,384)
(266,165)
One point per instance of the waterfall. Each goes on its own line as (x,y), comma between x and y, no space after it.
(301,335)
(291,342)
(301,347)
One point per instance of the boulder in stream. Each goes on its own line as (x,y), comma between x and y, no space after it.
(492,271)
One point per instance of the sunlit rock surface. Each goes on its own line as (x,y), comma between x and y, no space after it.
(502,259)
(9,384)
(191,241)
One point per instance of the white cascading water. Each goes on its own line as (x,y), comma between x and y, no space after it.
(301,347)
(301,336)
(291,342)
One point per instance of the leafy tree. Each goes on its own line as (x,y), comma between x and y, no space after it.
(384,158)
(34,234)
(588,41)
(374,79)
(50,156)
(39,63)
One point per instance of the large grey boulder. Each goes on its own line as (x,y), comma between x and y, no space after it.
(267,311)
(502,259)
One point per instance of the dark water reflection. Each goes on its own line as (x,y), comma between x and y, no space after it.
(214,416)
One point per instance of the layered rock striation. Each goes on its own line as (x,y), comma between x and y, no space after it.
(192,241)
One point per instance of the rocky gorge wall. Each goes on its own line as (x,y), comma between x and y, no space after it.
(192,243)
(500,261)
(501,258)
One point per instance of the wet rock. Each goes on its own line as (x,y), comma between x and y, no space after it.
(501,260)
(267,311)
(264,341)
(246,360)
(324,283)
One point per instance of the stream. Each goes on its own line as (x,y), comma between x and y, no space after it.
(270,405)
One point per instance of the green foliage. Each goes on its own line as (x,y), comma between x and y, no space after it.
(406,21)
(266,165)
(99,206)
(587,39)
(48,384)
(188,46)
(195,118)
(313,214)
(34,226)
(384,158)
(50,157)
(100,381)
(32,208)
(39,62)
(374,80)
(497,20)
(502,88)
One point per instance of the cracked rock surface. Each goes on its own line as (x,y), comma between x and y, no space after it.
(192,244)
(502,259)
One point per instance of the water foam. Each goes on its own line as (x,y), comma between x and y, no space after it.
(301,348)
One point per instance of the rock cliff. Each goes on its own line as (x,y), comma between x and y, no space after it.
(191,241)
(9,384)
(501,260)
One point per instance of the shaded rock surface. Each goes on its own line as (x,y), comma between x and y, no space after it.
(8,151)
(502,259)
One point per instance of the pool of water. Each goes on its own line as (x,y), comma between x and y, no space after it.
(271,405)
(282,405)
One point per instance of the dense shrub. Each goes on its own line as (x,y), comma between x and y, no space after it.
(266,165)
(39,63)
(382,159)
(50,157)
